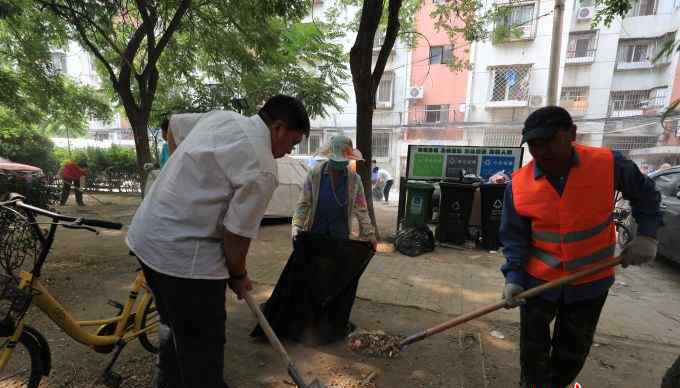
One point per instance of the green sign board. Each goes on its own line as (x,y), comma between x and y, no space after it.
(428,164)
(439,161)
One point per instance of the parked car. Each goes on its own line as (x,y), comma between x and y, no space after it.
(668,184)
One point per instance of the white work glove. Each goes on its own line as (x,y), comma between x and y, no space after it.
(639,251)
(509,292)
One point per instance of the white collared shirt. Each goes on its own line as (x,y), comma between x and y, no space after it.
(221,176)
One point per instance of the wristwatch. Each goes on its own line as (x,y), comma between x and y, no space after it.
(239,276)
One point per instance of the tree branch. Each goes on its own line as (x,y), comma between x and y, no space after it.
(390,37)
(156,52)
(126,70)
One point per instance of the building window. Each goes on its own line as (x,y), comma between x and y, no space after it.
(642,8)
(634,52)
(441,55)
(575,100)
(437,113)
(657,98)
(309,145)
(383,97)
(628,103)
(510,83)
(675,127)
(518,17)
(59,62)
(381,145)
(582,45)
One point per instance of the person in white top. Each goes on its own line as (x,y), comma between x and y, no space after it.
(382,181)
(193,230)
(179,127)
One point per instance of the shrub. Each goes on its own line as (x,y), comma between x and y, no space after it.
(29,147)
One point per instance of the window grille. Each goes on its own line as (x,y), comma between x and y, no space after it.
(575,100)
(381,145)
(582,45)
(510,83)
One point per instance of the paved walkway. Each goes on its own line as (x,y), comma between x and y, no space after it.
(643,305)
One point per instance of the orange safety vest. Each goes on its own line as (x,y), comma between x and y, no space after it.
(574,231)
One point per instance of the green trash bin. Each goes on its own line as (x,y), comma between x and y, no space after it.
(418,203)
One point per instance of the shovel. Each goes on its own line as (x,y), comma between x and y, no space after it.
(502,304)
(276,344)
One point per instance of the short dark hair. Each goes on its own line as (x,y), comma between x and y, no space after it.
(287,109)
(164,124)
(553,117)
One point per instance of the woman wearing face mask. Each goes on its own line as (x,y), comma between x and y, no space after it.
(332,194)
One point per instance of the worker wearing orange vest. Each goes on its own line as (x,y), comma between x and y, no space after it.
(557,219)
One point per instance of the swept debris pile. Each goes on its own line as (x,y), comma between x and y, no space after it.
(374,343)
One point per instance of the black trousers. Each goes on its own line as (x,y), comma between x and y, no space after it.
(386,190)
(554,362)
(192,332)
(66,190)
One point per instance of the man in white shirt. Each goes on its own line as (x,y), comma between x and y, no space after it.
(382,181)
(193,231)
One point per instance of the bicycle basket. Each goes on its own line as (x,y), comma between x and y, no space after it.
(19,243)
(14,303)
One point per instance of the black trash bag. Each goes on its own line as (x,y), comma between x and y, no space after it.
(414,241)
(313,298)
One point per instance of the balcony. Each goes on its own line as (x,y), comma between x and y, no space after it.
(576,108)
(434,117)
(637,102)
(644,64)
(576,57)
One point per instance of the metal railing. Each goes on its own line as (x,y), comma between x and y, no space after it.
(434,116)
(634,103)
(581,53)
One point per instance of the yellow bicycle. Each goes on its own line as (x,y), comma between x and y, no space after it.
(24,353)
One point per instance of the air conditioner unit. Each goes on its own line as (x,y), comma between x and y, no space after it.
(535,101)
(415,93)
(585,13)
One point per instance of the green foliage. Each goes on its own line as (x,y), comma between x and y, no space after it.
(608,10)
(28,147)
(101,160)
(33,93)
(291,58)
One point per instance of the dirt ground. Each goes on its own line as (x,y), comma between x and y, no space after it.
(86,270)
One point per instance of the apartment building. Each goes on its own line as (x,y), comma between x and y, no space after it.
(608,78)
(80,66)
(391,102)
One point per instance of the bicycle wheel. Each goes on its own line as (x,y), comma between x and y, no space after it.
(25,368)
(149,339)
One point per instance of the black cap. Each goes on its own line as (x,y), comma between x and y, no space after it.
(545,123)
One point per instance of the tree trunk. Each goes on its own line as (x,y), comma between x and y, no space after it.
(365,145)
(143,151)
(366,81)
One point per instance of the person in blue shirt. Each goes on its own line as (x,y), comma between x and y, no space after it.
(566,172)
(165,152)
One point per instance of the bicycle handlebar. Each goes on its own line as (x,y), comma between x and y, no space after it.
(17,199)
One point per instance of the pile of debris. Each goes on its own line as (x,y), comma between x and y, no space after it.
(374,343)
